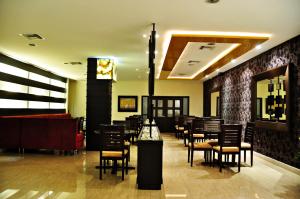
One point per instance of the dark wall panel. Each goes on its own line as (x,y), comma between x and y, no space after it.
(236,91)
(98,107)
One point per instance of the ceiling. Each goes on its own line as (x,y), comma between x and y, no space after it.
(77,29)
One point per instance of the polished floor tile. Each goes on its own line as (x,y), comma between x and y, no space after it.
(55,176)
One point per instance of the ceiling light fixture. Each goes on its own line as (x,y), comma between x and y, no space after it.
(32,44)
(157,36)
(144,35)
(137,69)
(147,52)
(233,61)
(155,52)
(218,70)
(206,76)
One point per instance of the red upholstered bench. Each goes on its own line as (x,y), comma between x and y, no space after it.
(41,132)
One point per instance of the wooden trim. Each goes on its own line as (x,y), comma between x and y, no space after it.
(271,73)
(178,43)
(30,68)
(7,112)
(274,126)
(29,97)
(29,82)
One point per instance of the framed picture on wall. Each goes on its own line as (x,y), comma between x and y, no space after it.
(127,103)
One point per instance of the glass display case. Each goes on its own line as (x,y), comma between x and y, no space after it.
(150,158)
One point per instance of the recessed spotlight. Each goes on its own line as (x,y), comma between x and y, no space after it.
(218,70)
(147,72)
(157,36)
(212,1)
(144,35)
(258,47)
(233,61)
(137,69)
(32,44)
(147,52)
(206,76)
(155,52)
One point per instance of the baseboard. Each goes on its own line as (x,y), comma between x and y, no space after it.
(278,163)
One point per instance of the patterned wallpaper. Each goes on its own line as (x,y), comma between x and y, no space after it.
(236,99)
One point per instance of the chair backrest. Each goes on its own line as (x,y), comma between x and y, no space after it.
(181,121)
(249,132)
(119,122)
(198,125)
(112,137)
(213,126)
(231,135)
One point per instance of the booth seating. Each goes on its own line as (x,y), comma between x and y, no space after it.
(41,132)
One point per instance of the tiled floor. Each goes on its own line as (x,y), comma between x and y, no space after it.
(54,176)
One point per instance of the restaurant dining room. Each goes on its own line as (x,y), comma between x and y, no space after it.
(149,99)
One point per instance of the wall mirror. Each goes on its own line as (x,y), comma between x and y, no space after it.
(271,98)
(215,104)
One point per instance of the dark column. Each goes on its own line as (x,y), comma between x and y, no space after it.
(98,104)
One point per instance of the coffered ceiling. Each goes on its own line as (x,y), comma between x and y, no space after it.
(74,30)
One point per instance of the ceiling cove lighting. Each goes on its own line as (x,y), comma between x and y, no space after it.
(167,39)
(258,47)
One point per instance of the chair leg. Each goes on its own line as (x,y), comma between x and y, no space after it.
(189,152)
(220,161)
(244,155)
(127,165)
(210,151)
(100,169)
(192,157)
(184,141)
(239,163)
(251,157)
(213,160)
(122,168)
(104,168)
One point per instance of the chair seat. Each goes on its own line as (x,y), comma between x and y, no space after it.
(126,143)
(197,135)
(113,154)
(227,149)
(201,145)
(245,145)
(186,132)
(212,142)
(180,128)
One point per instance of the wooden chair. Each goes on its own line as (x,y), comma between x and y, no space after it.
(180,127)
(212,128)
(197,129)
(112,146)
(229,143)
(247,144)
(187,128)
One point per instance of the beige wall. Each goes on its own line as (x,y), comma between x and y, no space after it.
(213,103)
(77,98)
(193,89)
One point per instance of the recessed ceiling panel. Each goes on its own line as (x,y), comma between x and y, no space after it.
(195,57)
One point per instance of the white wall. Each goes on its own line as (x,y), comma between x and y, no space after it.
(191,88)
